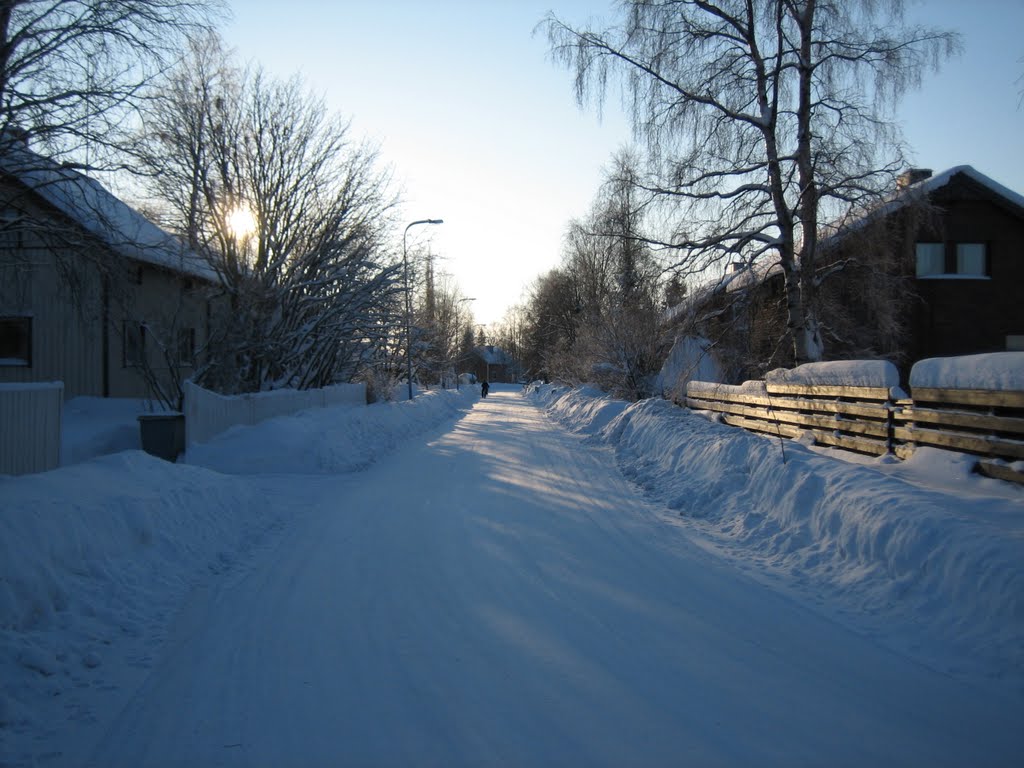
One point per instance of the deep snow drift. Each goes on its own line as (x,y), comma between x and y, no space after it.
(95,556)
(926,554)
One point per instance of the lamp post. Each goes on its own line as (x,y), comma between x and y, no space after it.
(408,298)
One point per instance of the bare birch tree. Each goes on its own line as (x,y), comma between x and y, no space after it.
(761,119)
(595,318)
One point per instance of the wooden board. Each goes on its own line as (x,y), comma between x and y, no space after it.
(1000,472)
(985,446)
(869,410)
(980,397)
(821,437)
(967,419)
(854,393)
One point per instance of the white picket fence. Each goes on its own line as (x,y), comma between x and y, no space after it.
(30,424)
(207,414)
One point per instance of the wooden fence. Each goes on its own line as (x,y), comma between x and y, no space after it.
(988,424)
(870,420)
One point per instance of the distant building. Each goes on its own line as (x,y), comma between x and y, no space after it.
(91,292)
(492,364)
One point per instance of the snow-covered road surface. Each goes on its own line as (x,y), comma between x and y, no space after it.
(497,594)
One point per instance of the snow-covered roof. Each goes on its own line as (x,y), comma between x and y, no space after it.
(936,182)
(922,189)
(90,205)
(492,355)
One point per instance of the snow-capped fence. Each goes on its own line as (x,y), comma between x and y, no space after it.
(207,414)
(841,405)
(973,404)
(31,419)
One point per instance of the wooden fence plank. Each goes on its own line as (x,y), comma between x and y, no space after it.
(980,397)
(1000,472)
(967,419)
(981,444)
(828,422)
(869,410)
(854,393)
(852,443)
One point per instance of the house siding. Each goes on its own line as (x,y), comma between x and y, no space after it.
(956,316)
(77,320)
(65,327)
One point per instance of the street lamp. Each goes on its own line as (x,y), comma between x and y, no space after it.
(408,298)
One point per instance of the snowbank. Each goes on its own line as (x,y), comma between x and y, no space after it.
(326,440)
(689,360)
(97,426)
(903,554)
(94,555)
(588,409)
(996,371)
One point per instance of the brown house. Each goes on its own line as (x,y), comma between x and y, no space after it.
(952,248)
(936,271)
(91,292)
(490,363)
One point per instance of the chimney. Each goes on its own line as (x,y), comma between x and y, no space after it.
(912,176)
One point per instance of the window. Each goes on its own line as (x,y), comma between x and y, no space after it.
(134,344)
(186,345)
(16,341)
(964,260)
(970,259)
(931,259)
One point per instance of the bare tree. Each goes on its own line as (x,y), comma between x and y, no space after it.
(761,119)
(618,340)
(311,283)
(73,72)
(511,337)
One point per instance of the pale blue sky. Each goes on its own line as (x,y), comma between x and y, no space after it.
(483,131)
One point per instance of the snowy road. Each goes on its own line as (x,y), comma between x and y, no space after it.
(499,595)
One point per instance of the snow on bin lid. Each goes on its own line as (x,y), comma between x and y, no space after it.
(999,371)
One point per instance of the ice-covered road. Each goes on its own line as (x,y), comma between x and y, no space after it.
(497,594)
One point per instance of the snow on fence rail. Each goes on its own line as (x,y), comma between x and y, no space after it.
(973,404)
(207,414)
(31,419)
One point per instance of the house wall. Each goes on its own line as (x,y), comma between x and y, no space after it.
(63,301)
(875,305)
(958,316)
(50,272)
(166,303)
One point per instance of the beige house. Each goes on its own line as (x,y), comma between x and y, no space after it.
(91,292)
